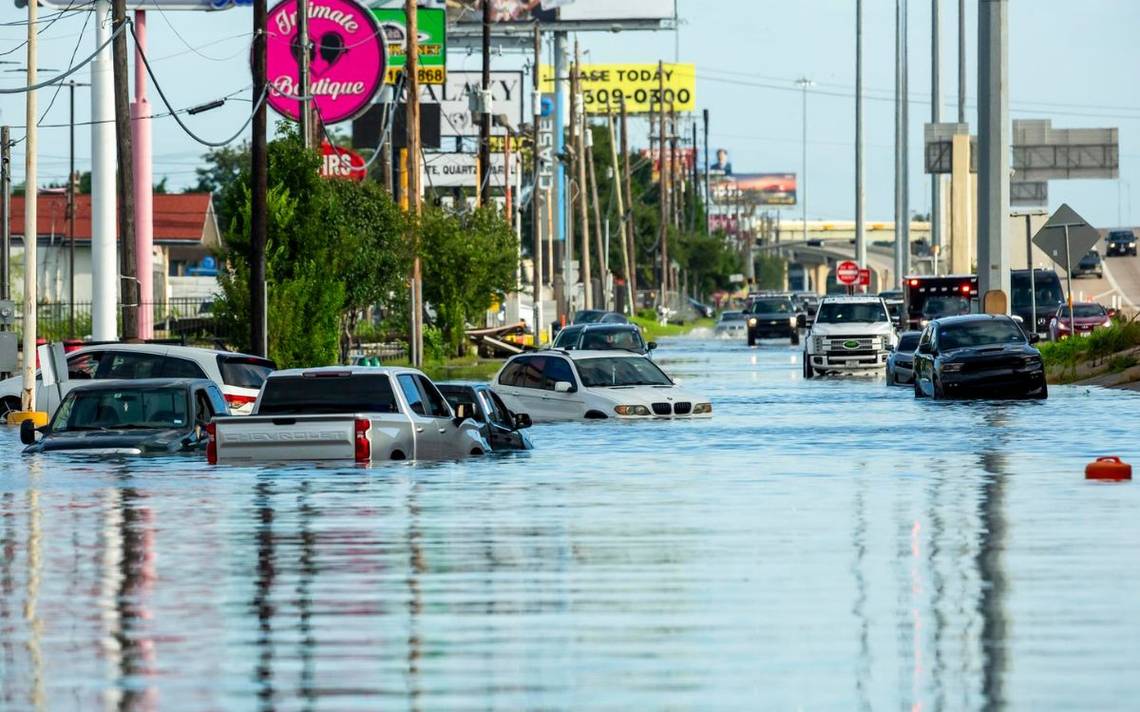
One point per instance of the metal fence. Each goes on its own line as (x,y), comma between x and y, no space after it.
(189,320)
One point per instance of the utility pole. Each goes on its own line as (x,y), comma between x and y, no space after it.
(902,203)
(961,61)
(538,207)
(860,171)
(578,121)
(708,205)
(618,191)
(303,64)
(72,179)
(5,212)
(696,182)
(804,83)
(104,260)
(413,168)
(259,177)
(935,117)
(143,187)
(603,255)
(627,220)
(484,185)
(31,224)
(663,190)
(128,284)
(993,155)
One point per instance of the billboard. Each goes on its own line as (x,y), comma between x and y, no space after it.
(638,85)
(526,11)
(766,189)
(684,158)
(432,26)
(455,111)
(608,10)
(459,170)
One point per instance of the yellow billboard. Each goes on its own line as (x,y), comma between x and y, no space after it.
(638,85)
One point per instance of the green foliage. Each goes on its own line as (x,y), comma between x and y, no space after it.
(770,272)
(435,349)
(468,262)
(1117,364)
(226,170)
(1103,344)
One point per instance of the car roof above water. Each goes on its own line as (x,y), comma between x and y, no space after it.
(142,384)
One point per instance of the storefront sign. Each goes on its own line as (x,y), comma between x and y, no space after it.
(347,66)
(638,85)
(461,170)
(432,26)
(343,163)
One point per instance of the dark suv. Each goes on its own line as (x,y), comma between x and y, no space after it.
(772,318)
(1120,242)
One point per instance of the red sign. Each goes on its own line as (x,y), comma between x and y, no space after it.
(337,162)
(864,277)
(847,273)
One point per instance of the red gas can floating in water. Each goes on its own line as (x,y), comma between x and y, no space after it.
(1108,468)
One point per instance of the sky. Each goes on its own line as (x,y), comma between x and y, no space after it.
(1073,63)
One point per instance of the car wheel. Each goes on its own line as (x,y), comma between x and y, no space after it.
(1043,393)
(751,340)
(809,372)
(795,338)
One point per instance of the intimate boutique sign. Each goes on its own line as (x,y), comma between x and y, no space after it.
(347,59)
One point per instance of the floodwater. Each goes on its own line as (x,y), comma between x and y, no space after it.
(831,544)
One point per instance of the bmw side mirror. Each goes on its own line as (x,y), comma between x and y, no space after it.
(563,387)
(522,421)
(28,432)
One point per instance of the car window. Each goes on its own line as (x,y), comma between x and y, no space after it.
(610,371)
(82,367)
(437,406)
(851,312)
(203,407)
(130,365)
(245,371)
(530,372)
(567,339)
(609,339)
(924,340)
(556,370)
(510,373)
(979,333)
(493,412)
(181,368)
(908,342)
(412,394)
(359,393)
(462,394)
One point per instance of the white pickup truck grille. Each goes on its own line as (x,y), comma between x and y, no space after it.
(844,344)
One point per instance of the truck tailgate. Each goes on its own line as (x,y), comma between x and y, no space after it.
(275,438)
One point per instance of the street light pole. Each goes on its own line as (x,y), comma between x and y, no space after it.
(860,194)
(804,83)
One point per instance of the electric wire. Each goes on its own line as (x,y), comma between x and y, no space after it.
(59,87)
(59,78)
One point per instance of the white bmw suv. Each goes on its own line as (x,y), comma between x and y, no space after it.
(850,334)
(555,385)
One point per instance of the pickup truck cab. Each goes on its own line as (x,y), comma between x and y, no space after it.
(849,334)
(356,414)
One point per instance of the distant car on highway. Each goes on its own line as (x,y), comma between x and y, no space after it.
(731,323)
(807,303)
(603,337)
(598,316)
(502,429)
(850,334)
(900,364)
(593,385)
(1089,266)
(978,356)
(773,317)
(1086,317)
(141,417)
(1120,243)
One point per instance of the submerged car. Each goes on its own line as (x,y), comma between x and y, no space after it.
(978,356)
(900,364)
(731,323)
(603,337)
(141,417)
(1086,317)
(773,317)
(502,429)
(593,385)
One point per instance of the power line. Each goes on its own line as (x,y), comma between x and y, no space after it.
(69,72)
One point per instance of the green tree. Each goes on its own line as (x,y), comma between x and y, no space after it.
(225,167)
(468,261)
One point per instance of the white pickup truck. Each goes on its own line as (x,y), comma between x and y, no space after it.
(346,414)
(849,334)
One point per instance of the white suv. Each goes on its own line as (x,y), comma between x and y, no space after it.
(850,334)
(238,375)
(574,385)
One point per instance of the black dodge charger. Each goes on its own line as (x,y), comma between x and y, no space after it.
(978,356)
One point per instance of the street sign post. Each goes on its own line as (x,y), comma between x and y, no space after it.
(1059,237)
(864,277)
(847,273)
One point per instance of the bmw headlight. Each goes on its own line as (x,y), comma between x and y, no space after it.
(631,410)
(702,408)
(951,367)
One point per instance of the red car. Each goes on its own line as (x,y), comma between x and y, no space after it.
(1087,316)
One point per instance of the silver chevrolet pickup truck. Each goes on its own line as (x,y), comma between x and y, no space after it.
(353,414)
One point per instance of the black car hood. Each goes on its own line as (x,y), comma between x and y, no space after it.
(144,440)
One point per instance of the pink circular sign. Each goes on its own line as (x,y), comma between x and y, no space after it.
(346,61)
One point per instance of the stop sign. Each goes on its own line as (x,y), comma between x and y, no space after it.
(847,273)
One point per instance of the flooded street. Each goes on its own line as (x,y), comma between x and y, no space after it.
(830,544)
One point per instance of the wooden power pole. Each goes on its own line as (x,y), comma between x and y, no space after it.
(129,292)
(627,220)
(259,177)
(416,345)
(579,121)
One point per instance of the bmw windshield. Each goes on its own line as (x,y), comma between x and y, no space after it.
(851,313)
(610,372)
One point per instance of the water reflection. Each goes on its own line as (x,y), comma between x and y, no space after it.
(831,544)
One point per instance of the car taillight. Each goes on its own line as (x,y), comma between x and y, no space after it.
(363,445)
(234,400)
(211,443)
